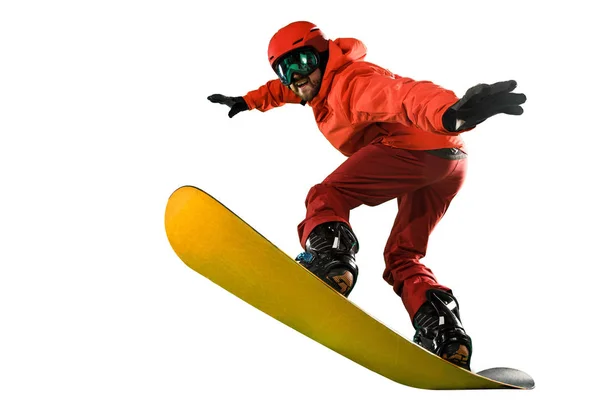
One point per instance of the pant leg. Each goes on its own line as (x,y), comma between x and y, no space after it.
(424,185)
(373,175)
(418,214)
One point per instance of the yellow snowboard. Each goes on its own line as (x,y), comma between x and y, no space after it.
(219,245)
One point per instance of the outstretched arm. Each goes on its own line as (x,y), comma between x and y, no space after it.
(378,98)
(392,98)
(272,94)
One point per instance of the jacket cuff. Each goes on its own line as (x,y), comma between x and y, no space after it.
(249,102)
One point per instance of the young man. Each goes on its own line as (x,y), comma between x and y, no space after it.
(402,141)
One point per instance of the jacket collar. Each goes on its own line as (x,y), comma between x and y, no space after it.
(342,52)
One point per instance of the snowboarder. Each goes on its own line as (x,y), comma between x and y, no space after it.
(402,141)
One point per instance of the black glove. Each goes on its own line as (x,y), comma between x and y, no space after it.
(481,102)
(237,104)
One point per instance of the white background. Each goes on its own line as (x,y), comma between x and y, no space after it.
(103,114)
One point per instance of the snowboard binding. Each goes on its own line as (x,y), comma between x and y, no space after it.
(439,329)
(329,254)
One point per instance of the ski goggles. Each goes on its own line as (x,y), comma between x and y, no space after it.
(302,61)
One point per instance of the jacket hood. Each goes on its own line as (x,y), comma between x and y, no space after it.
(342,52)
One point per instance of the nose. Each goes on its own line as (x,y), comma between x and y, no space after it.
(296,75)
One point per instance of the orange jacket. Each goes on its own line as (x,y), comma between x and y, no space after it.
(361,103)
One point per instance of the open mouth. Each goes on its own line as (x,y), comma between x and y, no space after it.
(300,83)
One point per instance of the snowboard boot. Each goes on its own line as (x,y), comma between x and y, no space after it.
(329,254)
(439,329)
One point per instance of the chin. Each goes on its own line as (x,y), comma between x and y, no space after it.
(311,96)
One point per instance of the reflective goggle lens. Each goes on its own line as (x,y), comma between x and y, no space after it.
(303,62)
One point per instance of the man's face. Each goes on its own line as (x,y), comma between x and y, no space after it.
(307,87)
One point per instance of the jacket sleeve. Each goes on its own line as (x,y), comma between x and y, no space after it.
(272,94)
(392,98)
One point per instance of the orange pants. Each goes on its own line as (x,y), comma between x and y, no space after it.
(423,185)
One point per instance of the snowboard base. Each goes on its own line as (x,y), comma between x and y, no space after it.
(510,376)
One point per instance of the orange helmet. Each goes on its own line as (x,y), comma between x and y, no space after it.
(296,35)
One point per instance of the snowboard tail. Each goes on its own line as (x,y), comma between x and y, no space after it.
(213,241)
